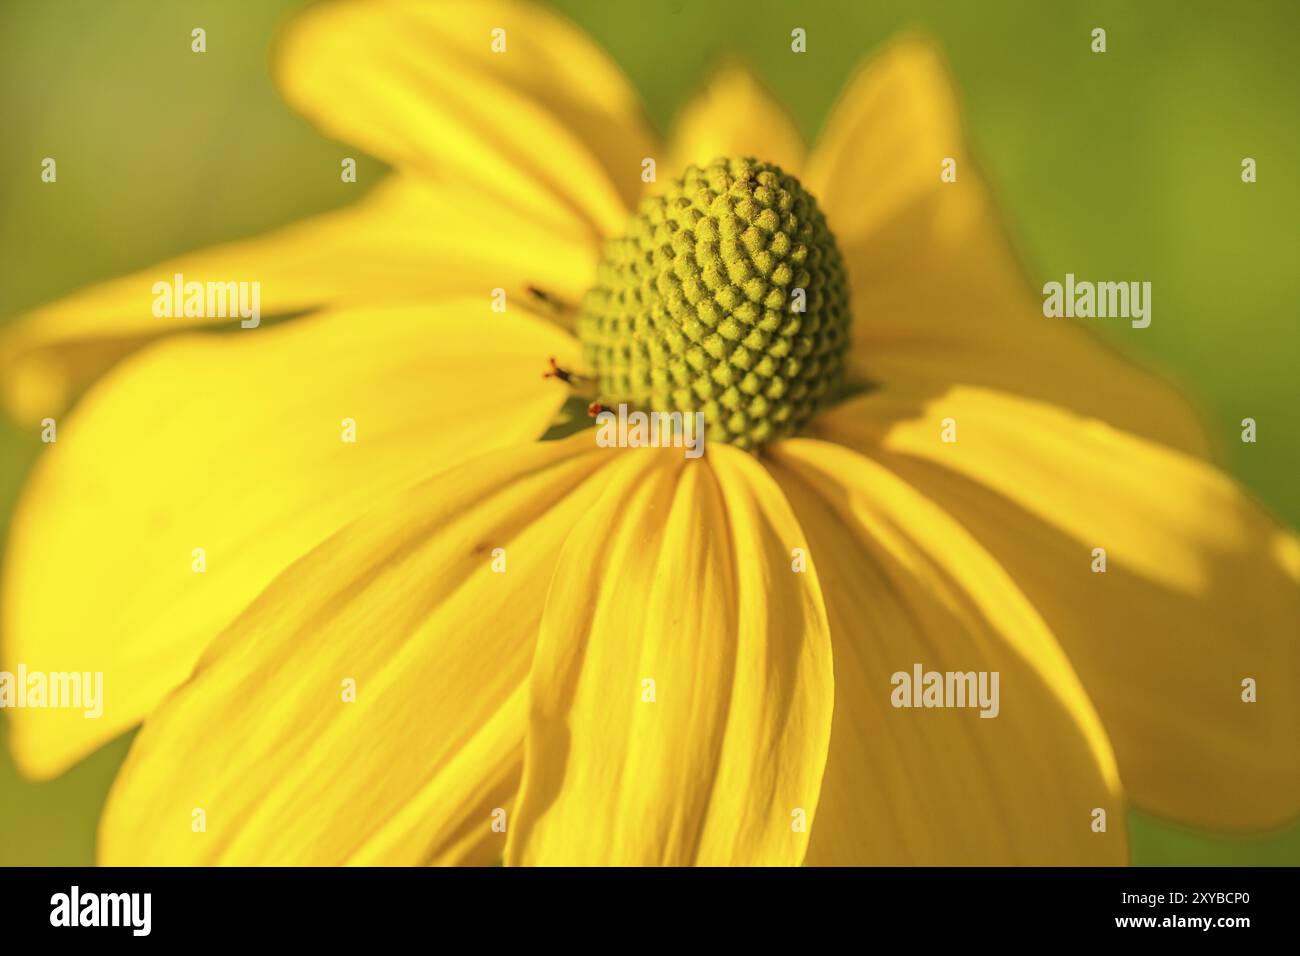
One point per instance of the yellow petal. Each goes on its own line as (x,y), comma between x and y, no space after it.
(939,295)
(1200,589)
(549,123)
(406,605)
(906,585)
(734,115)
(405,242)
(234,444)
(682,693)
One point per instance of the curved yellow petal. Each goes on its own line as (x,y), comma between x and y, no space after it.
(939,295)
(1201,590)
(734,115)
(681,693)
(548,123)
(405,242)
(905,585)
(370,707)
(236,445)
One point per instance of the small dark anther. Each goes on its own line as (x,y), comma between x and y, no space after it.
(564,375)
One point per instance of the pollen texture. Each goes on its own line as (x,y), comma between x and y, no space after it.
(726,295)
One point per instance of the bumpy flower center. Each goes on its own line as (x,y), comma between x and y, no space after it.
(726,295)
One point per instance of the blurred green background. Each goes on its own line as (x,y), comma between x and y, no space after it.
(1119,165)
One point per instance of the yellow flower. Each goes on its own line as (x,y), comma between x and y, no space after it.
(509,715)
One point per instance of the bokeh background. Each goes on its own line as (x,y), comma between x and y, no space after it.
(1122,165)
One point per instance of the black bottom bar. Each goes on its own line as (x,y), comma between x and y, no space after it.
(543,906)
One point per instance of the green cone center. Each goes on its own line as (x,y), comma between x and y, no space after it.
(725,295)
